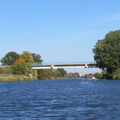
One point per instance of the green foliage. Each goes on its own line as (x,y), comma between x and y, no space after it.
(35,73)
(19,67)
(49,74)
(56,73)
(41,74)
(28,57)
(107,53)
(62,72)
(87,76)
(5,70)
(37,58)
(97,75)
(72,75)
(28,68)
(25,57)
(9,58)
(116,74)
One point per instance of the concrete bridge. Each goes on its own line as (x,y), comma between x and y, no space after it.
(64,66)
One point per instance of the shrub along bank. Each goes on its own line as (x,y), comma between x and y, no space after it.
(7,75)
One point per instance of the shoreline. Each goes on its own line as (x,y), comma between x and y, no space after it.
(13,78)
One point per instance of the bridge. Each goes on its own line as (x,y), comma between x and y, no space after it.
(64,66)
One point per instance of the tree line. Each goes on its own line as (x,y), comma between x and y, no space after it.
(20,64)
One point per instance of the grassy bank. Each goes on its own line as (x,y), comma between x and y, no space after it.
(6,74)
(12,77)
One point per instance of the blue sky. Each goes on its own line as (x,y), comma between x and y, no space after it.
(58,30)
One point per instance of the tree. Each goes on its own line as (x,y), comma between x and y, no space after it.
(19,66)
(107,53)
(62,72)
(9,58)
(28,57)
(25,57)
(37,58)
(41,74)
(35,73)
(28,68)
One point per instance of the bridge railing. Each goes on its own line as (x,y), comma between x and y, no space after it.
(56,66)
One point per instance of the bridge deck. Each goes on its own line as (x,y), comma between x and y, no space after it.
(56,66)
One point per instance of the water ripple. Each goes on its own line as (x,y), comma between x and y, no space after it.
(71,99)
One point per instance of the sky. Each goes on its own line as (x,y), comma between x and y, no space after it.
(58,30)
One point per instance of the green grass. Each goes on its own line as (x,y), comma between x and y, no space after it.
(12,77)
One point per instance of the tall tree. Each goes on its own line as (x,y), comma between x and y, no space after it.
(28,57)
(37,58)
(107,52)
(9,58)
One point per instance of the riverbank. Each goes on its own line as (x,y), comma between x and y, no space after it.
(12,77)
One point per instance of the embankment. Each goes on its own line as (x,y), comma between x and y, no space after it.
(12,77)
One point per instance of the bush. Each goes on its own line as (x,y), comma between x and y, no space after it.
(62,72)
(28,68)
(41,74)
(116,74)
(5,70)
(48,74)
(35,73)
(72,75)
(19,66)
(98,75)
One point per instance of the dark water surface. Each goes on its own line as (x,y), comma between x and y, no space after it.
(72,99)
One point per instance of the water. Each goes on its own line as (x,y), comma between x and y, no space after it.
(70,99)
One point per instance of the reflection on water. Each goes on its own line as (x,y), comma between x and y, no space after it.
(71,99)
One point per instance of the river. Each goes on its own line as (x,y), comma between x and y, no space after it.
(70,99)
